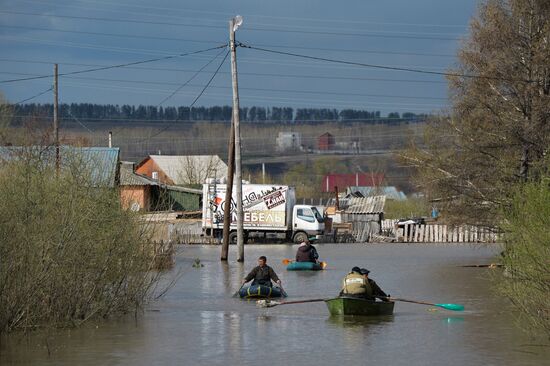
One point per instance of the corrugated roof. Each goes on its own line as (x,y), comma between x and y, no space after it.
(129,178)
(363,205)
(390,192)
(180,167)
(100,162)
(184,189)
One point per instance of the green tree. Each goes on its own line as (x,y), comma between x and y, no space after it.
(527,254)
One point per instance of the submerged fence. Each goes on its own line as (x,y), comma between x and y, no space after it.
(436,233)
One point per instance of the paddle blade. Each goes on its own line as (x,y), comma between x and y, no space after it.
(323,265)
(453,307)
(286,261)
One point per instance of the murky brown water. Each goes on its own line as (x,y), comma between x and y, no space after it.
(199,323)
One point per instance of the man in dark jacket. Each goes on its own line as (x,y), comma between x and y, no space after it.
(307,252)
(262,274)
(376,290)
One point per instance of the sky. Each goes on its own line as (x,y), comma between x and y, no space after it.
(86,34)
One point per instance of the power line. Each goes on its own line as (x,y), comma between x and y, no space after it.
(109,34)
(287,100)
(352,63)
(116,66)
(247,88)
(148,52)
(297,76)
(201,41)
(266,122)
(347,21)
(277,29)
(189,80)
(195,100)
(34,96)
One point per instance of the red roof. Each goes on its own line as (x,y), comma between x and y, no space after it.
(344,181)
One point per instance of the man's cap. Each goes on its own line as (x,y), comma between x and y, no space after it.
(356,269)
(364,271)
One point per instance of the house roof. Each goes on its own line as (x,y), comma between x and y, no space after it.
(100,162)
(179,168)
(390,192)
(363,205)
(129,178)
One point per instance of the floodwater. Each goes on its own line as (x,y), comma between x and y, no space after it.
(198,322)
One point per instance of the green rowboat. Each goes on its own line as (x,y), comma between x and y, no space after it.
(355,306)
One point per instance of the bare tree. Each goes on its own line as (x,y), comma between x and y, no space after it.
(6,112)
(195,169)
(498,130)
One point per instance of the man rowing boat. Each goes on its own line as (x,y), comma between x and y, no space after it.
(358,284)
(307,252)
(262,274)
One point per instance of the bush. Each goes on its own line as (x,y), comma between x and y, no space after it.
(412,207)
(68,252)
(527,253)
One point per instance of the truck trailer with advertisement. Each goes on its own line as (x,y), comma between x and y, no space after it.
(269,210)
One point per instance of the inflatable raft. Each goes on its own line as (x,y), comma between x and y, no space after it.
(259,292)
(304,266)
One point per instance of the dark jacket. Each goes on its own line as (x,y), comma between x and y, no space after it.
(262,276)
(376,290)
(307,253)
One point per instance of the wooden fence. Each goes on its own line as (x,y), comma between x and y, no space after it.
(436,233)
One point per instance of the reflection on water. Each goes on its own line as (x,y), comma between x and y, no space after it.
(350,321)
(199,322)
(452,320)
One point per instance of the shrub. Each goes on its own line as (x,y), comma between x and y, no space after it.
(526,257)
(68,251)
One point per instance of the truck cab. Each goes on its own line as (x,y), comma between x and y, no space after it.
(306,222)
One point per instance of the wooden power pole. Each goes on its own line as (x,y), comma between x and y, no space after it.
(233,25)
(228,192)
(56,118)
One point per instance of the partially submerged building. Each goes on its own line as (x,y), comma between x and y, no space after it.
(362,216)
(141,193)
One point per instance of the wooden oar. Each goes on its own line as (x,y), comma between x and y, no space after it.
(266,303)
(283,292)
(287,261)
(453,307)
(492,265)
(237,292)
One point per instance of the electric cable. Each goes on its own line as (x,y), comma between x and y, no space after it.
(118,65)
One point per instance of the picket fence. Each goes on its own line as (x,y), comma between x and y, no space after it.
(436,233)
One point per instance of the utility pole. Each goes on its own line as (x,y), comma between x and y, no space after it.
(228,192)
(233,25)
(56,119)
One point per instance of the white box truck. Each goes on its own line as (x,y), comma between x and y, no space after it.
(269,210)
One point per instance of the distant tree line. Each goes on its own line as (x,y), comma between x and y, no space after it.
(214,113)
